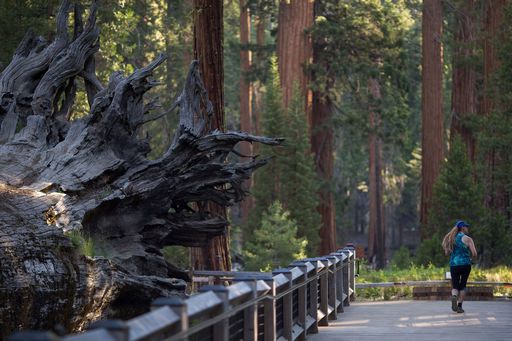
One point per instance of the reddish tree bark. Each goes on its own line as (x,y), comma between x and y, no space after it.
(322,145)
(497,196)
(245,100)
(295,49)
(208,50)
(376,228)
(92,177)
(322,142)
(464,100)
(431,105)
(258,98)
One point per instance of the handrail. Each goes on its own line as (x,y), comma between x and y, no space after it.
(260,302)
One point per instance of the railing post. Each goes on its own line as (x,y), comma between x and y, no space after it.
(287,304)
(313,299)
(220,329)
(302,297)
(116,328)
(250,313)
(332,277)
(179,306)
(353,273)
(269,312)
(324,293)
(339,280)
(346,277)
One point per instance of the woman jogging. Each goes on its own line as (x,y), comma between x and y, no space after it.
(458,245)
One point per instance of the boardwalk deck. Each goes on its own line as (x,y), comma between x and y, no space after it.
(420,321)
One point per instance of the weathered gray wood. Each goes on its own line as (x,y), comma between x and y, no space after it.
(169,317)
(332,290)
(220,329)
(339,281)
(92,175)
(251,312)
(346,278)
(269,312)
(302,298)
(324,296)
(313,296)
(287,303)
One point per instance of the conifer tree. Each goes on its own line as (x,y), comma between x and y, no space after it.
(274,243)
(289,177)
(455,196)
(300,184)
(268,180)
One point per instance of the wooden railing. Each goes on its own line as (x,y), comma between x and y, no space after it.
(286,304)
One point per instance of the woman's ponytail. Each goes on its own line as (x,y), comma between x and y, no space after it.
(449,240)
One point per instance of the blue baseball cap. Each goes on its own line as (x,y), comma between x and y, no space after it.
(461,223)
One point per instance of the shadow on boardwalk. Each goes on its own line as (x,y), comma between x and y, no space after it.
(420,321)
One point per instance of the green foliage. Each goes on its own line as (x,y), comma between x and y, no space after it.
(290,176)
(456,196)
(83,244)
(16,17)
(371,39)
(177,255)
(431,252)
(300,185)
(494,237)
(423,273)
(268,179)
(274,243)
(402,258)
(232,68)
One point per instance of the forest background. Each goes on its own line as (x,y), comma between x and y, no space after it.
(396,114)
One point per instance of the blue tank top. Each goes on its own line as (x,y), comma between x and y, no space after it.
(460,254)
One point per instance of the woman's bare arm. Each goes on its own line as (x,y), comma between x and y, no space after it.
(469,242)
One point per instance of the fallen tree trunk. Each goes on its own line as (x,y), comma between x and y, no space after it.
(90,177)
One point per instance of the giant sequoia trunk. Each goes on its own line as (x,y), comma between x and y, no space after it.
(432,143)
(208,50)
(497,195)
(295,49)
(92,175)
(464,91)
(376,228)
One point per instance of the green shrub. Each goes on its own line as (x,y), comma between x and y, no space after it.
(430,251)
(274,243)
(401,258)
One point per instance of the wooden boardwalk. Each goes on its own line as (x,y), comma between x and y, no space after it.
(420,321)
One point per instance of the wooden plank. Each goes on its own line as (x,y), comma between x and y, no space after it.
(153,323)
(425,321)
(200,303)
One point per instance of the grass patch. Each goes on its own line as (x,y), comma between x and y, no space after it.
(83,244)
(423,273)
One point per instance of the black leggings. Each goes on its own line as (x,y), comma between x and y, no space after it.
(460,274)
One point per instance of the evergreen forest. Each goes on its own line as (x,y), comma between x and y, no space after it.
(396,117)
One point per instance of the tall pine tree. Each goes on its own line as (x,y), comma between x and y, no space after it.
(289,177)
(300,183)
